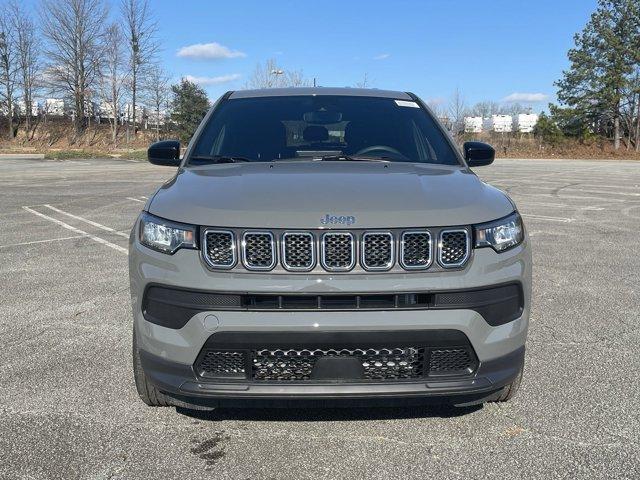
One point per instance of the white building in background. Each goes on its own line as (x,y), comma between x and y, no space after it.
(21,108)
(55,107)
(140,113)
(499,123)
(105,110)
(525,122)
(154,119)
(472,124)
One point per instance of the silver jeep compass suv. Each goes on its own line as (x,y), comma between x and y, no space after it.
(322,243)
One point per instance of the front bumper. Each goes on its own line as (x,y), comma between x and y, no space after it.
(168,355)
(180,381)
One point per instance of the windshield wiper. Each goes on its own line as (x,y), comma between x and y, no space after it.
(218,159)
(352,158)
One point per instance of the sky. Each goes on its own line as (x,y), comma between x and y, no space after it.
(497,50)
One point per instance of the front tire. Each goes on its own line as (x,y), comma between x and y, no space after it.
(148,393)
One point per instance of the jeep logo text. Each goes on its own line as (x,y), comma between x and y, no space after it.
(338,220)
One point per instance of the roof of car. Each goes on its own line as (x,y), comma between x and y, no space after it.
(291,91)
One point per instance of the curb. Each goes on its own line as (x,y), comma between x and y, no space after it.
(23,156)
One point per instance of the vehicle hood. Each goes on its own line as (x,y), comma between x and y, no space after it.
(299,195)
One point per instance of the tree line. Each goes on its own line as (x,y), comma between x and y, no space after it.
(75,50)
(599,93)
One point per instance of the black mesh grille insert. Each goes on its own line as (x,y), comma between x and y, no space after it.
(378,363)
(258,250)
(298,251)
(377,251)
(289,363)
(449,361)
(338,251)
(453,247)
(226,364)
(220,248)
(416,249)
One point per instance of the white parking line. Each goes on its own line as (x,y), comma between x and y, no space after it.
(99,240)
(545,217)
(86,220)
(561,205)
(136,199)
(562,197)
(41,241)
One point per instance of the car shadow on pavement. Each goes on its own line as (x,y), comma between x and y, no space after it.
(332,413)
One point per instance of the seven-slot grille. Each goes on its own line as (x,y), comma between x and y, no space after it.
(454,247)
(258,250)
(298,251)
(337,251)
(377,250)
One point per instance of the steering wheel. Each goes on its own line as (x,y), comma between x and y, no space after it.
(380,148)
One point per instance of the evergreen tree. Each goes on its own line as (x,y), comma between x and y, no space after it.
(189,105)
(547,130)
(602,63)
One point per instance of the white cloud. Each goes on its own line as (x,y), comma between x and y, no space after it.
(435,101)
(382,56)
(209,51)
(208,81)
(526,97)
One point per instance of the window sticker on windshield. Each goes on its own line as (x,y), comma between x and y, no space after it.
(405,103)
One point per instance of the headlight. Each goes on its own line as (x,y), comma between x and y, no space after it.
(164,235)
(500,234)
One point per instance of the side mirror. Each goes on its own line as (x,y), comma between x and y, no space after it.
(166,153)
(478,154)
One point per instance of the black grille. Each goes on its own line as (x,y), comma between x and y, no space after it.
(298,251)
(454,247)
(378,364)
(218,364)
(220,249)
(259,251)
(416,249)
(435,354)
(449,361)
(377,251)
(337,251)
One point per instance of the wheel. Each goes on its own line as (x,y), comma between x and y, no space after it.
(148,393)
(509,391)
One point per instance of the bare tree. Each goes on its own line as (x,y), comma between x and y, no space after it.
(157,92)
(142,46)
(113,77)
(8,67)
(28,46)
(74,31)
(486,109)
(512,109)
(270,75)
(365,82)
(457,111)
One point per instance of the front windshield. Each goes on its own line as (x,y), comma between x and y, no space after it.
(264,129)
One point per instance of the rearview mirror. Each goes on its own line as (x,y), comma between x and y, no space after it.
(166,153)
(478,154)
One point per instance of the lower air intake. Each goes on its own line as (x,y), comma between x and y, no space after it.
(222,364)
(378,364)
(448,361)
(297,364)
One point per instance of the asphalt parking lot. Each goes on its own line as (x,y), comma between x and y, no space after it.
(68,406)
